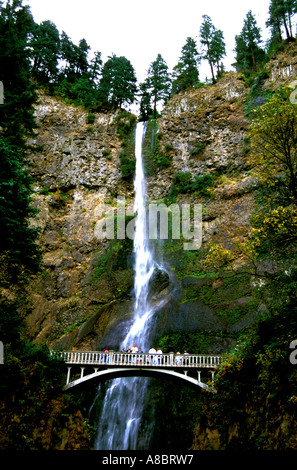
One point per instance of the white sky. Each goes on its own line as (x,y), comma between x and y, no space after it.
(139,30)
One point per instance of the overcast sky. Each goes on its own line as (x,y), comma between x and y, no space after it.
(139,30)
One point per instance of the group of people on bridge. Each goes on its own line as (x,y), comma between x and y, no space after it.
(154,356)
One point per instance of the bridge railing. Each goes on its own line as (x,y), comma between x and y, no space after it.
(119,359)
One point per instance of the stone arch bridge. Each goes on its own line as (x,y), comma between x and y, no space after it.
(87,365)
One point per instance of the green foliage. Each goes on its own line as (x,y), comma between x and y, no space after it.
(183,183)
(17,113)
(11,323)
(45,45)
(281,13)
(198,149)
(116,257)
(274,141)
(125,124)
(256,96)
(35,411)
(257,385)
(91,118)
(213,41)
(195,342)
(156,87)
(19,253)
(185,73)
(118,82)
(75,58)
(248,51)
(125,128)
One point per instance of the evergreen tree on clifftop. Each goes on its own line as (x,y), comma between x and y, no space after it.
(280,15)
(157,85)
(185,73)
(213,41)
(118,82)
(248,51)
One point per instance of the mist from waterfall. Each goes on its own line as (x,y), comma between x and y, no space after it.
(124,400)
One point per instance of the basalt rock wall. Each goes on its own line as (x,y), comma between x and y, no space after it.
(86,285)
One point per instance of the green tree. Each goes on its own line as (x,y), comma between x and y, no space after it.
(45,45)
(213,42)
(17,113)
(158,83)
(145,109)
(280,15)
(19,253)
(217,48)
(95,67)
(248,51)
(185,73)
(75,58)
(118,82)
(273,137)
(82,63)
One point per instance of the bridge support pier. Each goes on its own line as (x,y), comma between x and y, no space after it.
(199,375)
(212,376)
(68,375)
(82,372)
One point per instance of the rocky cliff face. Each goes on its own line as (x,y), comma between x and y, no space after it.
(78,168)
(85,287)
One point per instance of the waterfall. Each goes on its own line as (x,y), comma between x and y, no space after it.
(123,402)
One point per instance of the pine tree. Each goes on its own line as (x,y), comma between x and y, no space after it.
(45,50)
(280,15)
(95,67)
(118,82)
(248,51)
(185,73)
(158,83)
(17,113)
(213,41)
(145,108)
(75,58)
(82,64)
(19,254)
(217,48)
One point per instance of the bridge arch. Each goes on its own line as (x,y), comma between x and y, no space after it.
(107,374)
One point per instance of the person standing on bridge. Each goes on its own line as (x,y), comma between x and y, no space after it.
(159,357)
(123,352)
(129,354)
(153,352)
(178,359)
(106,358)
(186,358)
(139,356)
(134,350)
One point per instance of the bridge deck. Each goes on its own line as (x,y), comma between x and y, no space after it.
(116,359)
